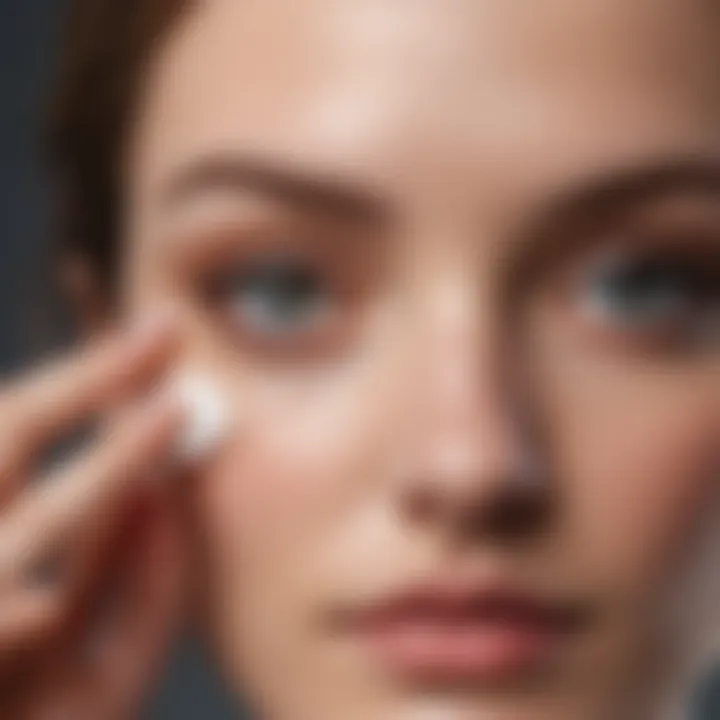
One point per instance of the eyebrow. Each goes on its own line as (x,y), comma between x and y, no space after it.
(612,192)
(599,196)
(306,189)
(606,196)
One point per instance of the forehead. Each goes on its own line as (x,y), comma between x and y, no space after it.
(406,90)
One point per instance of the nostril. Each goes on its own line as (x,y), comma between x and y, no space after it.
(519,512)
(503,509)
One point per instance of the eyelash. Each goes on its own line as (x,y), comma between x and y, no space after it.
(284,303)
(668,298)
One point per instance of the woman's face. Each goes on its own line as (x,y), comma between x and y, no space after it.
(454,263)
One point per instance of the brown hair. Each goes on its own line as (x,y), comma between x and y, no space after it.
(107,45)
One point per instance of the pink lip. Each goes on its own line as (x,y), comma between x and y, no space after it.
(449,633)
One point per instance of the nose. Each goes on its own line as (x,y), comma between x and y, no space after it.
(478,470)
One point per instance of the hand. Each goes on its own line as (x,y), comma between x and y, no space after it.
(90,557)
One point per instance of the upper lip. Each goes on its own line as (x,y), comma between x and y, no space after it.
(444,600)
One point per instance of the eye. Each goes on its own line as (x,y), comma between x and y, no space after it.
(663,294)
(277,297)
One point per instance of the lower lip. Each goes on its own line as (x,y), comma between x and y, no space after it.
(474,651)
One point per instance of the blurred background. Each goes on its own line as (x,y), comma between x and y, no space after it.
(29,317)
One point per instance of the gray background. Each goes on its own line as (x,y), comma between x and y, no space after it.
(28,28)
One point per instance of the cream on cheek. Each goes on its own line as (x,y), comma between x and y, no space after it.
(281,495)
(309,451)
(314,429)
(209,417)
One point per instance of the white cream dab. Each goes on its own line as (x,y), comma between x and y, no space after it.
(208,415)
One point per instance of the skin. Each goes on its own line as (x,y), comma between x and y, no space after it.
(453,169)
(471,132)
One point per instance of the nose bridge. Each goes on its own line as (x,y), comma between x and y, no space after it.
(471,427)
(473,473)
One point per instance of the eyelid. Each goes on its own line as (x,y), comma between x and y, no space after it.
(557,249)
(623,250)
(230,241)
(342,280)
(346,277)
(681,328)
(195,250)
(311,342)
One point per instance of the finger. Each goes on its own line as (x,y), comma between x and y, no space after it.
(39,408)
(25,621)
(130,654)
(44,519)
(42,613)
(115,660)
(64,683)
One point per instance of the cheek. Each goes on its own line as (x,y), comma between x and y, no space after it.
(305,457)
(648,486)
(638,465)
(284,473)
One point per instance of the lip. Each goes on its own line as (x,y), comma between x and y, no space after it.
(466,632)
